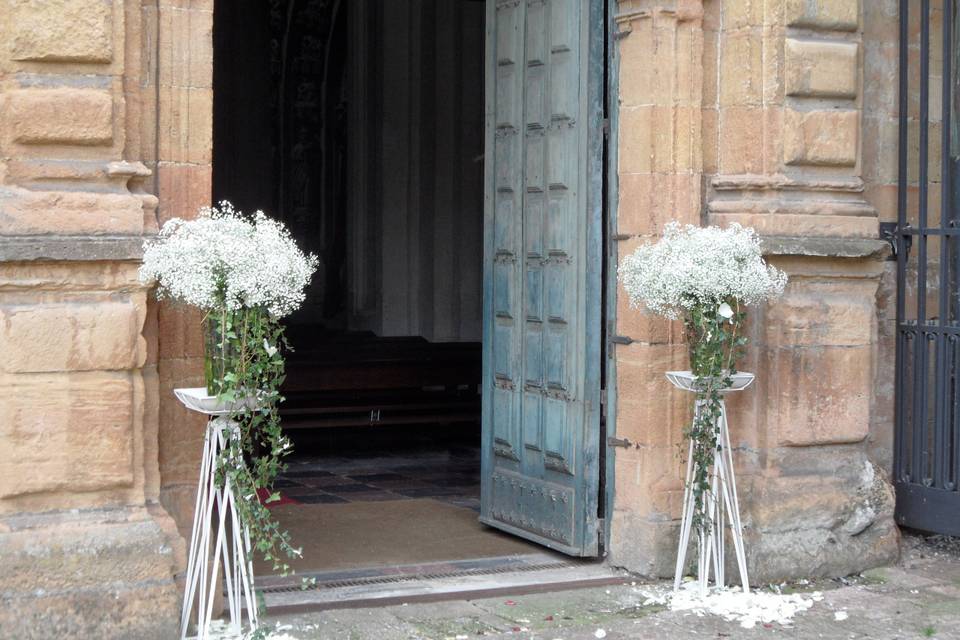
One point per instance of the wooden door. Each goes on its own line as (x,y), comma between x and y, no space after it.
(542,271)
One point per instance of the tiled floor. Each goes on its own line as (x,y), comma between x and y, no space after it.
(448,473)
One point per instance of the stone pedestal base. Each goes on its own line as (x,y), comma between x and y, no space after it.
(87,574)
(833,521)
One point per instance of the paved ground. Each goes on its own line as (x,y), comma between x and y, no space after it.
(919,598)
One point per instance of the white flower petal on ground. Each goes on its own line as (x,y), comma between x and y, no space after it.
(748,609)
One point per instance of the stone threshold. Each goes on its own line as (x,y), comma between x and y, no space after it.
(435,582)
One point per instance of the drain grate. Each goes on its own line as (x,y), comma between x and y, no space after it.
(413,577)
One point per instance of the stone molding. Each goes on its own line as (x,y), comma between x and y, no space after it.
(70,248)
(825,247)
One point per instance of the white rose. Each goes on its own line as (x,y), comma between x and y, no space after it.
(725,311)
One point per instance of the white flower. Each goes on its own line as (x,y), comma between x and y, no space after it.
(699,266)
(725,311)
(225,258)
(269,349)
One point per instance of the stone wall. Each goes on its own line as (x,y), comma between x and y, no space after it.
(776,113)
(86,550)
(750,111)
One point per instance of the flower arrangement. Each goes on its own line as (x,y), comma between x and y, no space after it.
(225,259)
(245,272)
(705,276)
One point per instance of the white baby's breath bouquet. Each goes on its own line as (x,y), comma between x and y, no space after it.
(224,258)
(245,272)
(699,267)
(706,276)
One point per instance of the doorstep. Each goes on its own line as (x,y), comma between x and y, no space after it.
(434,582)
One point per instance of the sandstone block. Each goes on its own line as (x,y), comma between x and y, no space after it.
(820,395)
(88,574)
(815,313)
(636,140)
(825,138)
(802,225)
(650,411)
(649,200)
(709,151)
(741,69)
(740,14)
(60,116)
(645,327)
(833,521)
(180,330)
(643,544)
(741,140)
(654,421)
(30,212)
(61,30)
(182,189)
(182,430)
(187,60)
(74,336)
(838,15)
(186,124)
(820,69)
(66,431)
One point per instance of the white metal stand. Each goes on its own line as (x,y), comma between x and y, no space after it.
(720,500)
(218,539)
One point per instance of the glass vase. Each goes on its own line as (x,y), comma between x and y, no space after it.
(219,353)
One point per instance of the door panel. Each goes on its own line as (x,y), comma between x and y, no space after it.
(542,271)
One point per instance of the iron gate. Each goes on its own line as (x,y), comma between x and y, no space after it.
(927,444)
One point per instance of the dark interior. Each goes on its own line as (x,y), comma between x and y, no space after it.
(359,123)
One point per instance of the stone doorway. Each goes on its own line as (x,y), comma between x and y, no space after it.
(360,125)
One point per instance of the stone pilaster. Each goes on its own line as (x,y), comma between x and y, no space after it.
(78,459)
(660,49)
(769,93)
(181,64)
(789,163)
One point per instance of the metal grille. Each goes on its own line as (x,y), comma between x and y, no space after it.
(927,445)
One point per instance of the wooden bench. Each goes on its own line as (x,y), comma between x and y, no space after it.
(359,379)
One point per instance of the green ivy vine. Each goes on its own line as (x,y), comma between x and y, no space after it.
(716,342)
(244,367)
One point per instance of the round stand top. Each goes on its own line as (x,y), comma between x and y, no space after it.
(688,382)
(197,399)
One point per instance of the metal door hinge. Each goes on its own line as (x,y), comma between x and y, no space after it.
(618,442)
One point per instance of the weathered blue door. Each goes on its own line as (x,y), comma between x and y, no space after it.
(542,271)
